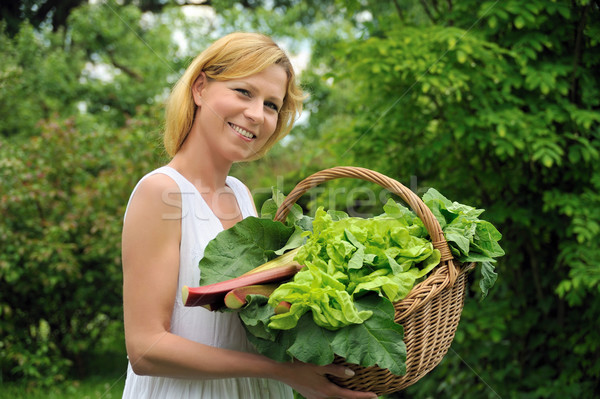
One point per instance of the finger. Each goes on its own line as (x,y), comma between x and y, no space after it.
(339,371)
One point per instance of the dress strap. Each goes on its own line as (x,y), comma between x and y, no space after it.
(245,201)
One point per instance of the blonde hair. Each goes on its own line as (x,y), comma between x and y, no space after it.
(233,56)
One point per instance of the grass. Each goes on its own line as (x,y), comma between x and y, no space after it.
(96,387)
(106,384)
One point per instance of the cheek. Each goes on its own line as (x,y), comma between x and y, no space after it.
(271,125)
(218,109)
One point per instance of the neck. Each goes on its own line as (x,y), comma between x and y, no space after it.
(201,167)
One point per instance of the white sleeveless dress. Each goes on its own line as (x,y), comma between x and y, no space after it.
(224,330)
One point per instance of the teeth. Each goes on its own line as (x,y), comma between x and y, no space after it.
(242,131)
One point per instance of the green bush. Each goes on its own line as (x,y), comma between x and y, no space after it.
(63,197)
(497,105)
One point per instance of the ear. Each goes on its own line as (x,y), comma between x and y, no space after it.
(197,87)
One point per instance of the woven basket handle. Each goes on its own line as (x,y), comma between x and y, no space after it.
(415,203)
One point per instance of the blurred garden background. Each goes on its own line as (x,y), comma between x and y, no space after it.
(494,103)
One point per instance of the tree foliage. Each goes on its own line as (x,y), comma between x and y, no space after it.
(494,103)
(70,153)
(80,114)
(106,62)
(55,13)
(29,88)
(62,204)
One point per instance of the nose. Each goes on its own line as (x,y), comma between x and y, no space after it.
(255,111)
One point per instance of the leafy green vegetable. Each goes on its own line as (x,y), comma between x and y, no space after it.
(309,343)
(341,302)
(380,339)
(377,341)
(489,278)
(237,250)
(295,218)
(256,316)
(313,289)
(470,239)
(348,256)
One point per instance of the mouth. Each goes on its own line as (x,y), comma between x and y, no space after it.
(243,132)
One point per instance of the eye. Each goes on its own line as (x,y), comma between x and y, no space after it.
(244,92)
(272,106)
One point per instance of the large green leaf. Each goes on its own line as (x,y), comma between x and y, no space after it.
(378,341)
(255,317)
(246,245)
(312,343)
(488,279)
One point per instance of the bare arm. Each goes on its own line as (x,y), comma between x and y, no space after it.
(150,245)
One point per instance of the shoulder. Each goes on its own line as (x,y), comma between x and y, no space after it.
(157,185)
(156,193)
(153,218)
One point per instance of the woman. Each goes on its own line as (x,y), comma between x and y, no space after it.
(235,100)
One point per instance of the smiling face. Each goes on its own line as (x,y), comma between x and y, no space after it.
(235,118)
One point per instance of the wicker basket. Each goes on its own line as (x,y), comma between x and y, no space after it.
(429,313)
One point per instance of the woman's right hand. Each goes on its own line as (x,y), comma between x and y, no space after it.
(311,381)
